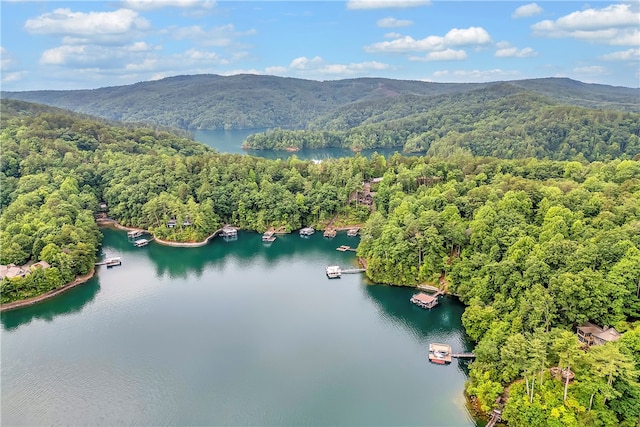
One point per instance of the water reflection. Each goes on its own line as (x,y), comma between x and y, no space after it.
(441,324)
(72,301)
(230,142)
(183,262)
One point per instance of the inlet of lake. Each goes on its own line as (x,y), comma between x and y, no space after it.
(232,333)
(230,141)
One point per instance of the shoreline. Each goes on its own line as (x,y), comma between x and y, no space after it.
(113,223)
(48,295)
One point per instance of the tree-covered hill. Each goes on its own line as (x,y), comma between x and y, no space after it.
(532,247)
(499,120)
(254,101)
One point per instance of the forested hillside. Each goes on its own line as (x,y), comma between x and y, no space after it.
(254,101)
(499,121)
(56,167)
(533,247)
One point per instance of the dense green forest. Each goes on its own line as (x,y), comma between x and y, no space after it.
(532,247)
(254,101)
(498,121)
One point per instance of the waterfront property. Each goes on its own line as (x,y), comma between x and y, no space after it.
(229,232)
(110,262)
(307,231)
(590,334)
(133,234)
(353,232)
(268,236)
(334,272)
(141,242)
(329,233)
(440,353)
(423,300)
(12,271)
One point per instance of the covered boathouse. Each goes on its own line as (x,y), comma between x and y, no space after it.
(424,300)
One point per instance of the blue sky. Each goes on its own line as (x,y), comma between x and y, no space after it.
(90,44)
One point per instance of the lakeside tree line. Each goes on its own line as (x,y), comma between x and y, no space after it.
(496,122)
(532,247)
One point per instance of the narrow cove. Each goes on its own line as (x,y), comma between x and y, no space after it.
(232,333)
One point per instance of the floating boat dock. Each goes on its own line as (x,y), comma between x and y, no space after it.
(423,300)
(440,353)
(307,231)
(353,232)
(141,242)
(345,248)
(134,234)
(229,233)
(329,233)
(110,262)
(268,236)
(334,272)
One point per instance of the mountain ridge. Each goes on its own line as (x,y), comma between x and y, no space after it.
(246,101)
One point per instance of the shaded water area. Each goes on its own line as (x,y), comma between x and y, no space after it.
(232,333)
(230,141)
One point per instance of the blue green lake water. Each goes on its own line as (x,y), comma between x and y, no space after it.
(232,333)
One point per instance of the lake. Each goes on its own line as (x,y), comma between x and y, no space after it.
(232,333)
(230,141)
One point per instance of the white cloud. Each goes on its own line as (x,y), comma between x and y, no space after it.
(467,36)
(615,24)
(64,22)
(625,55)
(441,55)
(319,67)
(391,22)
(96,55)
(506,50)
(275,70)
(303,63)
(455,37)
(6,59)
(158,4)
(384,4)
(13,77)
(530,9)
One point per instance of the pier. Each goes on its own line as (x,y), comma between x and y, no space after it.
(110,262)
(335,271)
(134,234)
(423,300)
(229,232)
(353,232)
(307,231)
(345,248)
(463,355)
(329,233)
(141,242)
(440,353)
(268,236)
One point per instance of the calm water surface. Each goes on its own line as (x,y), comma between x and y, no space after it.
(233,333)
(230,141)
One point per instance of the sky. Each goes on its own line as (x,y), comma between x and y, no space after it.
(91,44)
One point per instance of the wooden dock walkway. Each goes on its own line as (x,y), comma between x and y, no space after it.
(464,355)
(354,270)
(345,248)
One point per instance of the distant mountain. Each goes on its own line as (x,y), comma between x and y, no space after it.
(253,101)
